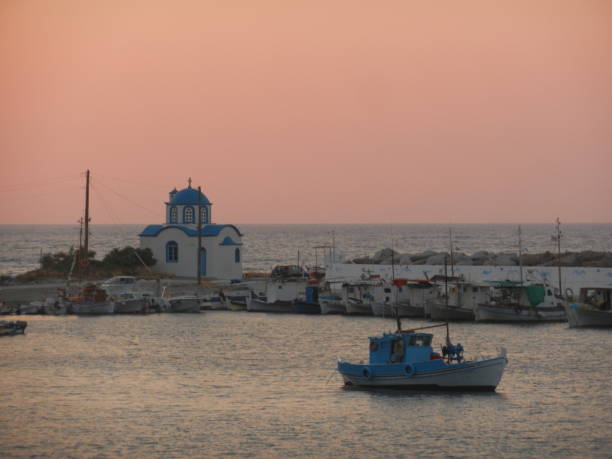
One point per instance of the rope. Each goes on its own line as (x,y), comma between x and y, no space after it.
(120,225)
(127,199)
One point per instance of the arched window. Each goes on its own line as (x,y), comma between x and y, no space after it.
(173,214)
(237,255)
(203,214)
(188,215)
(171,252)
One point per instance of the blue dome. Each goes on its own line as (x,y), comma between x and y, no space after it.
(188,196)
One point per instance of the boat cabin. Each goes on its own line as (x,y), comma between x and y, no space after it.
(401,348)
(288,272)
(600,298)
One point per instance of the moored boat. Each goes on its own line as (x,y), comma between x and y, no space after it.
(91,300)
(130,303)
(406,359)
(331,304)
(11,328)
(457,300)
(184,304)
(515,302)
(593,308)
(358,297)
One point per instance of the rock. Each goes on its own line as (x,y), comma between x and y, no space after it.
(462,260)
(420,258)
(385,254)
(405,259)
(364,261)
(438,259)
(506,259)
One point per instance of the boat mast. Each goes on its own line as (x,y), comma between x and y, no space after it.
(559,253)
(452,261)
(85,253)
(520,254)
(199,257)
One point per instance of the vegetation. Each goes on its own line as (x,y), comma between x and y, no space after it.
(125,261)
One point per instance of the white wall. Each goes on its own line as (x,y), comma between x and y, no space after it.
(219,259)
(572,277)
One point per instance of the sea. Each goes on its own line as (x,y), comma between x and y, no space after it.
(240,384)
(268,245)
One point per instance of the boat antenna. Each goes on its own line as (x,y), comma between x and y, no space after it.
(393,288)
(446,296)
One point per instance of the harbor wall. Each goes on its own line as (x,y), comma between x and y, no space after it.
(571,277)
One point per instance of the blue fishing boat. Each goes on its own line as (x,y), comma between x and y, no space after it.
(406,359)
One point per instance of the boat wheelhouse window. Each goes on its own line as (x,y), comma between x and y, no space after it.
(420,340)
(387,290)
(188,215)
(173,214)
(171,252)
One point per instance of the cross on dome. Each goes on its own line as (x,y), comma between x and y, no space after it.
(189,182)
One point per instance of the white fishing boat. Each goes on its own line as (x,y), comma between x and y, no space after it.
(286,286)
(514,302)
(457,300)
(592,308)
(130,303)
(331,304)
(358,296)
(215,302)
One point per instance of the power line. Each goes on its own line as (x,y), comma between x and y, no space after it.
(127,199)
(40,185)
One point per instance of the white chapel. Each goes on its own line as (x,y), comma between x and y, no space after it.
(175,243)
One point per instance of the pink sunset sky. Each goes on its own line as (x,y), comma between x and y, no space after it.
(307,111)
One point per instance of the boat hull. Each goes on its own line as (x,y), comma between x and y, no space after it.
(450,313)
(382,309)
(184,305)
(579,315)
(358,309)
(332,307)
(305,308)
(474,375)
(279,307)
(13,327)
(93,309)
(503,313)
(131,306)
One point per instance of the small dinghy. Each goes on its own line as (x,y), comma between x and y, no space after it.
(10,328)
(405,359)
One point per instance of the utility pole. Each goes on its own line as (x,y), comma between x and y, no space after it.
(199,257)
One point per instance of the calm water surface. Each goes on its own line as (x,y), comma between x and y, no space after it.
(247,384)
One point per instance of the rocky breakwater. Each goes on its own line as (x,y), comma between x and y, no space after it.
(586,258)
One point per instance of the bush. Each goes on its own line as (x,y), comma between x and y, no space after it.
(128,258)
